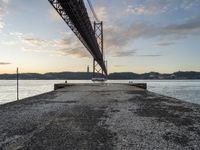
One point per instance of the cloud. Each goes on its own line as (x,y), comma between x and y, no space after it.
(66,46)
(35,42)
(79,52)
(36,50)
(186,5)
(3,5)
(70,46)
(5,63)
(123,53)
(2,24)
(102,13)
(118,36)
(154,7)
(54,15)
(8,42)
(184,28)
(1,14)
(164,44)
(3,11)
(136,10)
(67,42)
(17,34)
(155,55)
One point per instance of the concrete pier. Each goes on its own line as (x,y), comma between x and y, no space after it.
(99,116)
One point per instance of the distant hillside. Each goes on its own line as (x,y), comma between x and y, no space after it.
(113,76)
(49,76)
(155,75)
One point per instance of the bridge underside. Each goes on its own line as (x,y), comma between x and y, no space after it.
(74,13)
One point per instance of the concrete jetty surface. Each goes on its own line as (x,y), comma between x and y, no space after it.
(102,117)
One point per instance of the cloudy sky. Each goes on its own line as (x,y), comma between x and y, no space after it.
(140,36)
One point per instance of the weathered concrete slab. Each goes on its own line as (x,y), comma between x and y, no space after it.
(64,85)
(99,116)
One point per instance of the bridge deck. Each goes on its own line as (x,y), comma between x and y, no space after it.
(109,116)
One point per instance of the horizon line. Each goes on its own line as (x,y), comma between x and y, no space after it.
(92,72)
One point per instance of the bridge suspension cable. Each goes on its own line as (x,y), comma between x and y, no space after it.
(93,11)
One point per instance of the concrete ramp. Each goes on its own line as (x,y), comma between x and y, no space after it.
(99,116)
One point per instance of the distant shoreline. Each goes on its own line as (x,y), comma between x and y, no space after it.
(189,75)
(108,79)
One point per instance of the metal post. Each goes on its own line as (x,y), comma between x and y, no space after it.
(106,63)
(17,84)
(93,68)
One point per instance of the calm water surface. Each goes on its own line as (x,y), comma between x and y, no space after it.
(188,90)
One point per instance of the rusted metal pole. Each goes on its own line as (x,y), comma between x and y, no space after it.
(17,83)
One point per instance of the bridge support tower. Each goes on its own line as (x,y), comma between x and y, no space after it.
(97,70)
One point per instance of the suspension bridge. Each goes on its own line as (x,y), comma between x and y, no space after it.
(75,14)
(97,116)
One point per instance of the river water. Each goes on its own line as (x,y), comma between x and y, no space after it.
(187,90)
